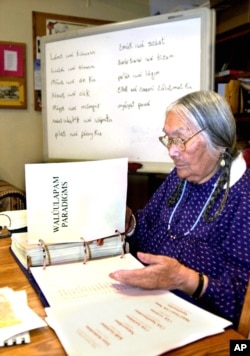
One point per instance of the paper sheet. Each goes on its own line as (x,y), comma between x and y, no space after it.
(74,200)
(148,324)
(29,319)
(13,219)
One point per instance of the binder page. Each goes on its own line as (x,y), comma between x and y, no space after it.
(149,323)
(75,282)
(74,200)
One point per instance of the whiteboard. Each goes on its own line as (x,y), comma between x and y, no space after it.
(105,89)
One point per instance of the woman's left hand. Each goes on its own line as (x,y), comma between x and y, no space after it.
(161,272)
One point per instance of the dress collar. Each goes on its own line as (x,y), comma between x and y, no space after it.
(238,168)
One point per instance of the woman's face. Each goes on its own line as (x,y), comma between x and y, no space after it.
(194,164)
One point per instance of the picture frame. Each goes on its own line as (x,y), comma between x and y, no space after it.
(47,24)
(13,91)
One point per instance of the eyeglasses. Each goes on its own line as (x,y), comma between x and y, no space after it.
(177,141)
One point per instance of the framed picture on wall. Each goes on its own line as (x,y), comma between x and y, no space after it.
(47,24)
(13,75)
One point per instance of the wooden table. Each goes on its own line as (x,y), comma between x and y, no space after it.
(45,342)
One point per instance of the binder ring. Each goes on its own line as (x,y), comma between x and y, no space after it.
(122,237)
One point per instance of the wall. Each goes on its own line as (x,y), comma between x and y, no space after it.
(21,130)
(163,6)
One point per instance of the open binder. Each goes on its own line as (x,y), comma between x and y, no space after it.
(76,215)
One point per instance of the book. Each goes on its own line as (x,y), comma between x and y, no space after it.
(93,314)
(16,318)
(230,72)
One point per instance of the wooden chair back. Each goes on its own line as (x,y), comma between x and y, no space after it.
(244,324)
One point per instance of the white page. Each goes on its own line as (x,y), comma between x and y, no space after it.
(10,61)
(74,282)
(74,200)
(29,319)
(148,324)
(13,219)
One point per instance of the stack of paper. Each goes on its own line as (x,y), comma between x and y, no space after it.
(33,254)
(16,318)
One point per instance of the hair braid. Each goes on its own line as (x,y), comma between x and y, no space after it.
(175,195)
(224,179)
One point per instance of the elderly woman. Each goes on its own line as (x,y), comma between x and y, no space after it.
(193,236)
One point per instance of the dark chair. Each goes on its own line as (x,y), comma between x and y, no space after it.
(11,197)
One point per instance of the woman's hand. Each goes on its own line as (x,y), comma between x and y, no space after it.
(161,272)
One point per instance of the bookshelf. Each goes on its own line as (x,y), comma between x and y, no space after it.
(232,52)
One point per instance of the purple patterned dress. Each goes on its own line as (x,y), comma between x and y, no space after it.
(220,249)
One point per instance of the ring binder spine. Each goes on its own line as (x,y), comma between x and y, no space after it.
(46,255)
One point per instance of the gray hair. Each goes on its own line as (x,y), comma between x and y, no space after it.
(208,109)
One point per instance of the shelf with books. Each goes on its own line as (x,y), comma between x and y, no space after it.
(232,62)
(225,76)
(232,52)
